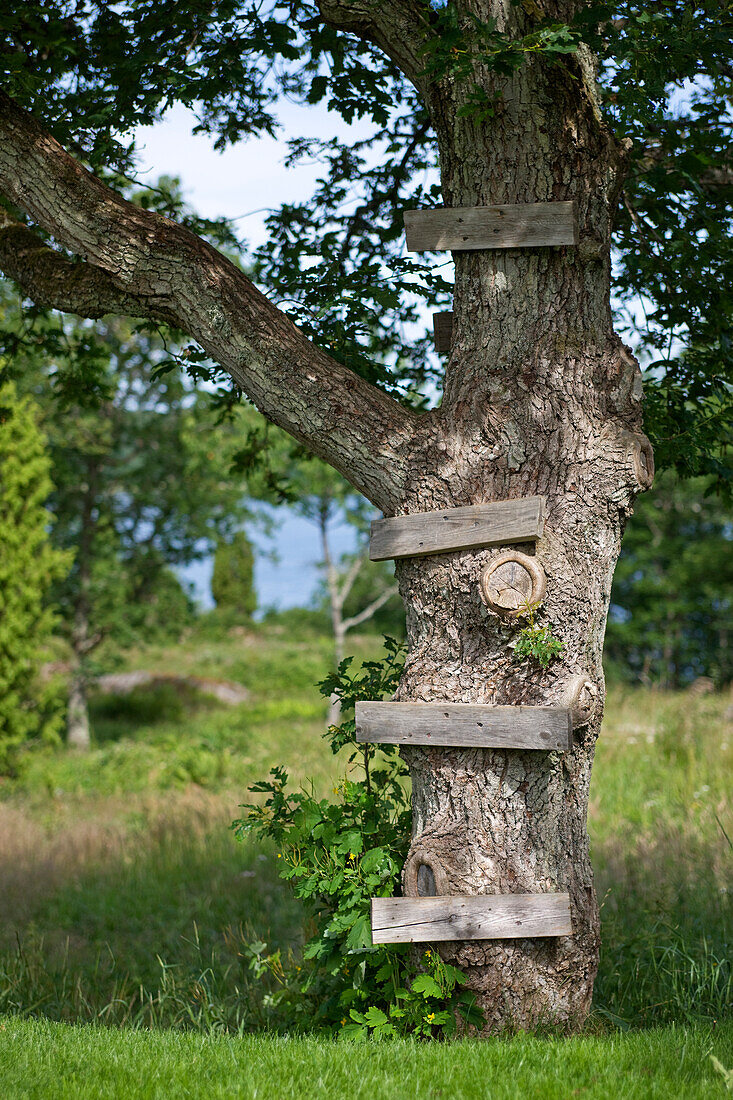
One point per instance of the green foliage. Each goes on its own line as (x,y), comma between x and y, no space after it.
(536,642)
(339,854)
(28,567)
(672,596)
(424,1007)
(232,582)
(334,259)
(462,42)
(138,486)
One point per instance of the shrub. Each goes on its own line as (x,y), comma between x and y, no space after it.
(337,855)
(232,582)
(28,567)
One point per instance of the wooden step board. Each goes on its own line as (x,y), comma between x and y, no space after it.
(501,523)
(483,917)
(443,331)
(465,228)
(465,725)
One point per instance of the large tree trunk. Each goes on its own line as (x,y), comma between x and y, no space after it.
(540,398)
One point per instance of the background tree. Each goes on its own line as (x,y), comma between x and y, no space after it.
(232,580)
(138,489)
(672,596)
(624,111)
(28,567)
(354,589)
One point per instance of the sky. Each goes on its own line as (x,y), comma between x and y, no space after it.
(243,182)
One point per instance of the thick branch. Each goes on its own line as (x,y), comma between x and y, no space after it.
(163,270)
(399,27)
(54,281)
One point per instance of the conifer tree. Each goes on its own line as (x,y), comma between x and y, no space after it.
(232,582)
(28,567)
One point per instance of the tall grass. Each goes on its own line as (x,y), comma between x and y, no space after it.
(124,898)
(662,795)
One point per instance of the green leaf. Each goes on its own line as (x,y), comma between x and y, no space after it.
(427,986)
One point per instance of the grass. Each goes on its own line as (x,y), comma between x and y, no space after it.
(124,899)
(40,1060)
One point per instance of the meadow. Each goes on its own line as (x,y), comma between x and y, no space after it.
(125,900)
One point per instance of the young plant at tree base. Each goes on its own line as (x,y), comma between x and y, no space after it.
(337,855)
(536,642)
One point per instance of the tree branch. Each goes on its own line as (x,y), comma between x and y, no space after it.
(54,281)
(374,606)
(348,582)
(399,27)
(163,270)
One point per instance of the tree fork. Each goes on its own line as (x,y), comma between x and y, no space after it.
(172,274)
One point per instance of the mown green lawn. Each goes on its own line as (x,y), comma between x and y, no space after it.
(40,1060)
(125,900)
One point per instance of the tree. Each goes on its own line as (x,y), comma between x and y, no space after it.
(28,567)
(277,471)
(137,490)
(232,582)
(319,494)
(323,496)
(672,596)
(539,395)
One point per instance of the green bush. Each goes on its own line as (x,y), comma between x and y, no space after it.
(28,567)
(337,855)
(232,582)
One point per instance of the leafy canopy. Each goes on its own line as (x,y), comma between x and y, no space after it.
(93,72)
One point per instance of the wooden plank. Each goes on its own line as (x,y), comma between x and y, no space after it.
(443,331)
(499,524)
(463,228)
(465,725)
(482,917)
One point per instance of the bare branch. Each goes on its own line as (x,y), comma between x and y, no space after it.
(371,609)
(353,573)
(164,270)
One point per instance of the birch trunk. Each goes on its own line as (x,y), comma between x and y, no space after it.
(77,715)
(540,398)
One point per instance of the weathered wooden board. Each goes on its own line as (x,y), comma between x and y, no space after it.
(499,524)
(483,917)
(443,331)
(462,228)
(465,725)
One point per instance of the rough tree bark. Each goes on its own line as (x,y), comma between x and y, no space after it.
(540,397)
